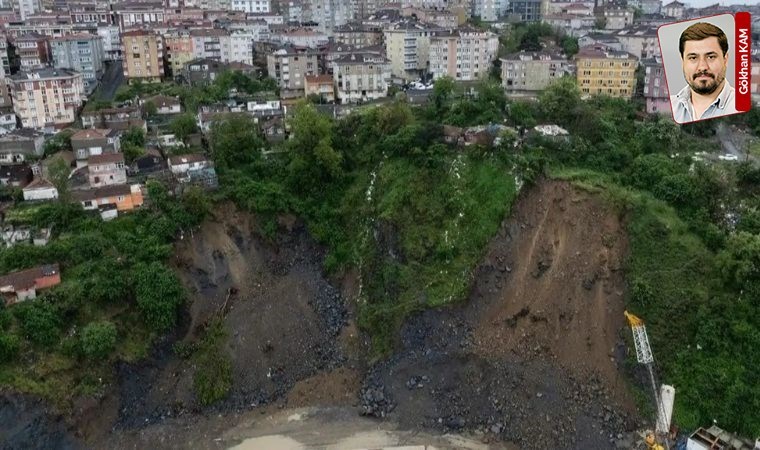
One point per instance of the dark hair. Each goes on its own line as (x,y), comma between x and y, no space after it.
(703,30)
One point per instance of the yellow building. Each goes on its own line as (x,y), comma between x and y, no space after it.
(602,70)
(143,52)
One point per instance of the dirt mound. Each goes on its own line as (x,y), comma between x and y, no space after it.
(531,358)
(282,320)
(26,423)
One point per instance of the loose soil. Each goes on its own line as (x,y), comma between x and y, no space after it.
(532,358)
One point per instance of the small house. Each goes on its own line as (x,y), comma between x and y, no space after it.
(106,169)
(19,175)
(164,104)
(23,285)
(39,190)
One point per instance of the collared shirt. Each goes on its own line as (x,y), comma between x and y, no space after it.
(683,108)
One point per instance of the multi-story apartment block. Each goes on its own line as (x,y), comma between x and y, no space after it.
(106,169)
(7,54)
(32,51)
(530,72)
(143,55)
(358,34)
(655,88)
(251,6)
(288,65)
(111,42)
(179,50)
(601,70)
(82,53)
(241,47)
(570,24)
(525,10)
(138,14)
(407,46)
(487,10)
(320,85)
(211,43)
(617,17)
(47,98)
(90,13)
(674,9)
(26,8)
(301,37)
(328,14)
(640,41)
(464,54)
(361,76)
(442,18)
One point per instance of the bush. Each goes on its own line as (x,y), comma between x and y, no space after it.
(213,376)
(98,340)
(40,321)
(159,294)
(9,346)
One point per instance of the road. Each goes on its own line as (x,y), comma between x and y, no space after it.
(113,77)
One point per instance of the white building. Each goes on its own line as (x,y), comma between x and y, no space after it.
(241,47)
(465,54)
(40,189)
(301,37)
(251,6)
(361,77)
(487,10)
(211,43)
(111,41)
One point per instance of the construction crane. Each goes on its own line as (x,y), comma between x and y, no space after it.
(644,356)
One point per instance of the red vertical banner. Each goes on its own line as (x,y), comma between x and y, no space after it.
(743,59)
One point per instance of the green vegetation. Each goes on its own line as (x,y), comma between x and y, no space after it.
(536,37)
(213,373)
(116,294)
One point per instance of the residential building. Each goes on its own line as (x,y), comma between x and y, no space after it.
(251,6)
(150,162)
(241,47)
(15,175)
(26,8)
(358,34)
(93,142)
(674,9)
(328,14)
(487,10)
(22,145)
(179,50)
(143,52)
(23,285)
(111,38)
(525,10)
(531,72)
(82,53)
(288,65)
(7,54)
(47,97)
(441,18)
(601,70)
(617,17)
(465,54)
(606,40)
(211,43)
(120,119)
(361,77)
(320,85)
(205,70)
(640,41)
(106,169)
(39,190)
(407,46)
(301,37)
(32,51)
(90,13)
(130,15)
(123,196)
(646,6)
(655,87)
(570,24)
(183,166)
(335,50)
(164,104)
(8,120)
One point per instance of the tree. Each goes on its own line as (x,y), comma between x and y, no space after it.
(159,294)
(443,90)
(59,142)
(58,174)
(569,45)
(40,321)
(98,339)
(9,346)
(740,265)
(183,125)
(561,100)
(314,161)
(134,136)
(149,109)
(236,140)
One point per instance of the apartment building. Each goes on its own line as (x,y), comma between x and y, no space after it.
(358,34)
(674,9)
(47,98)
(531,72)
(82,53)
(241,47)
(640,40)
(361,77)
(301,37)
(32,51)
(525,10)
(179,50)
(601,70)
(408,48)
(251,6)
(143,52)
(464,54)
(26,8)
(320,85)
(655,88)
(617,17)
(487,10)
(129,15)
(288,65)
(7,53)
(211,43)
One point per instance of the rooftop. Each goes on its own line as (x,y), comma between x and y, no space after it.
(24,279)
(105,158)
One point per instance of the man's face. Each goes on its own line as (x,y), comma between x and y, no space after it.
(704,65)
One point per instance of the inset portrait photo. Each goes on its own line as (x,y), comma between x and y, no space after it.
(700,67)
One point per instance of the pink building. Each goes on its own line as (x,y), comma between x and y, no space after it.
(655,89)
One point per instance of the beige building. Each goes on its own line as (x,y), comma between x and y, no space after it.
(464,54)
(321,85)
(407,46)
(603,71)
(143,52)
(289,65)
(361,77)
(47,98)
(530,72)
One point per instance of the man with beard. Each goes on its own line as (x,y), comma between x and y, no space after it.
(704,55)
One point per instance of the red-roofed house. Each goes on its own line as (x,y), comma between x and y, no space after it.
(22,285)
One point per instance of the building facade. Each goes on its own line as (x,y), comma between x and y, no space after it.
(655,88)
(464,55)
(289,65)
(531,72)
(32,51)
(603,71)
(47,98)
(407,46)
(82,53)
(143,52)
